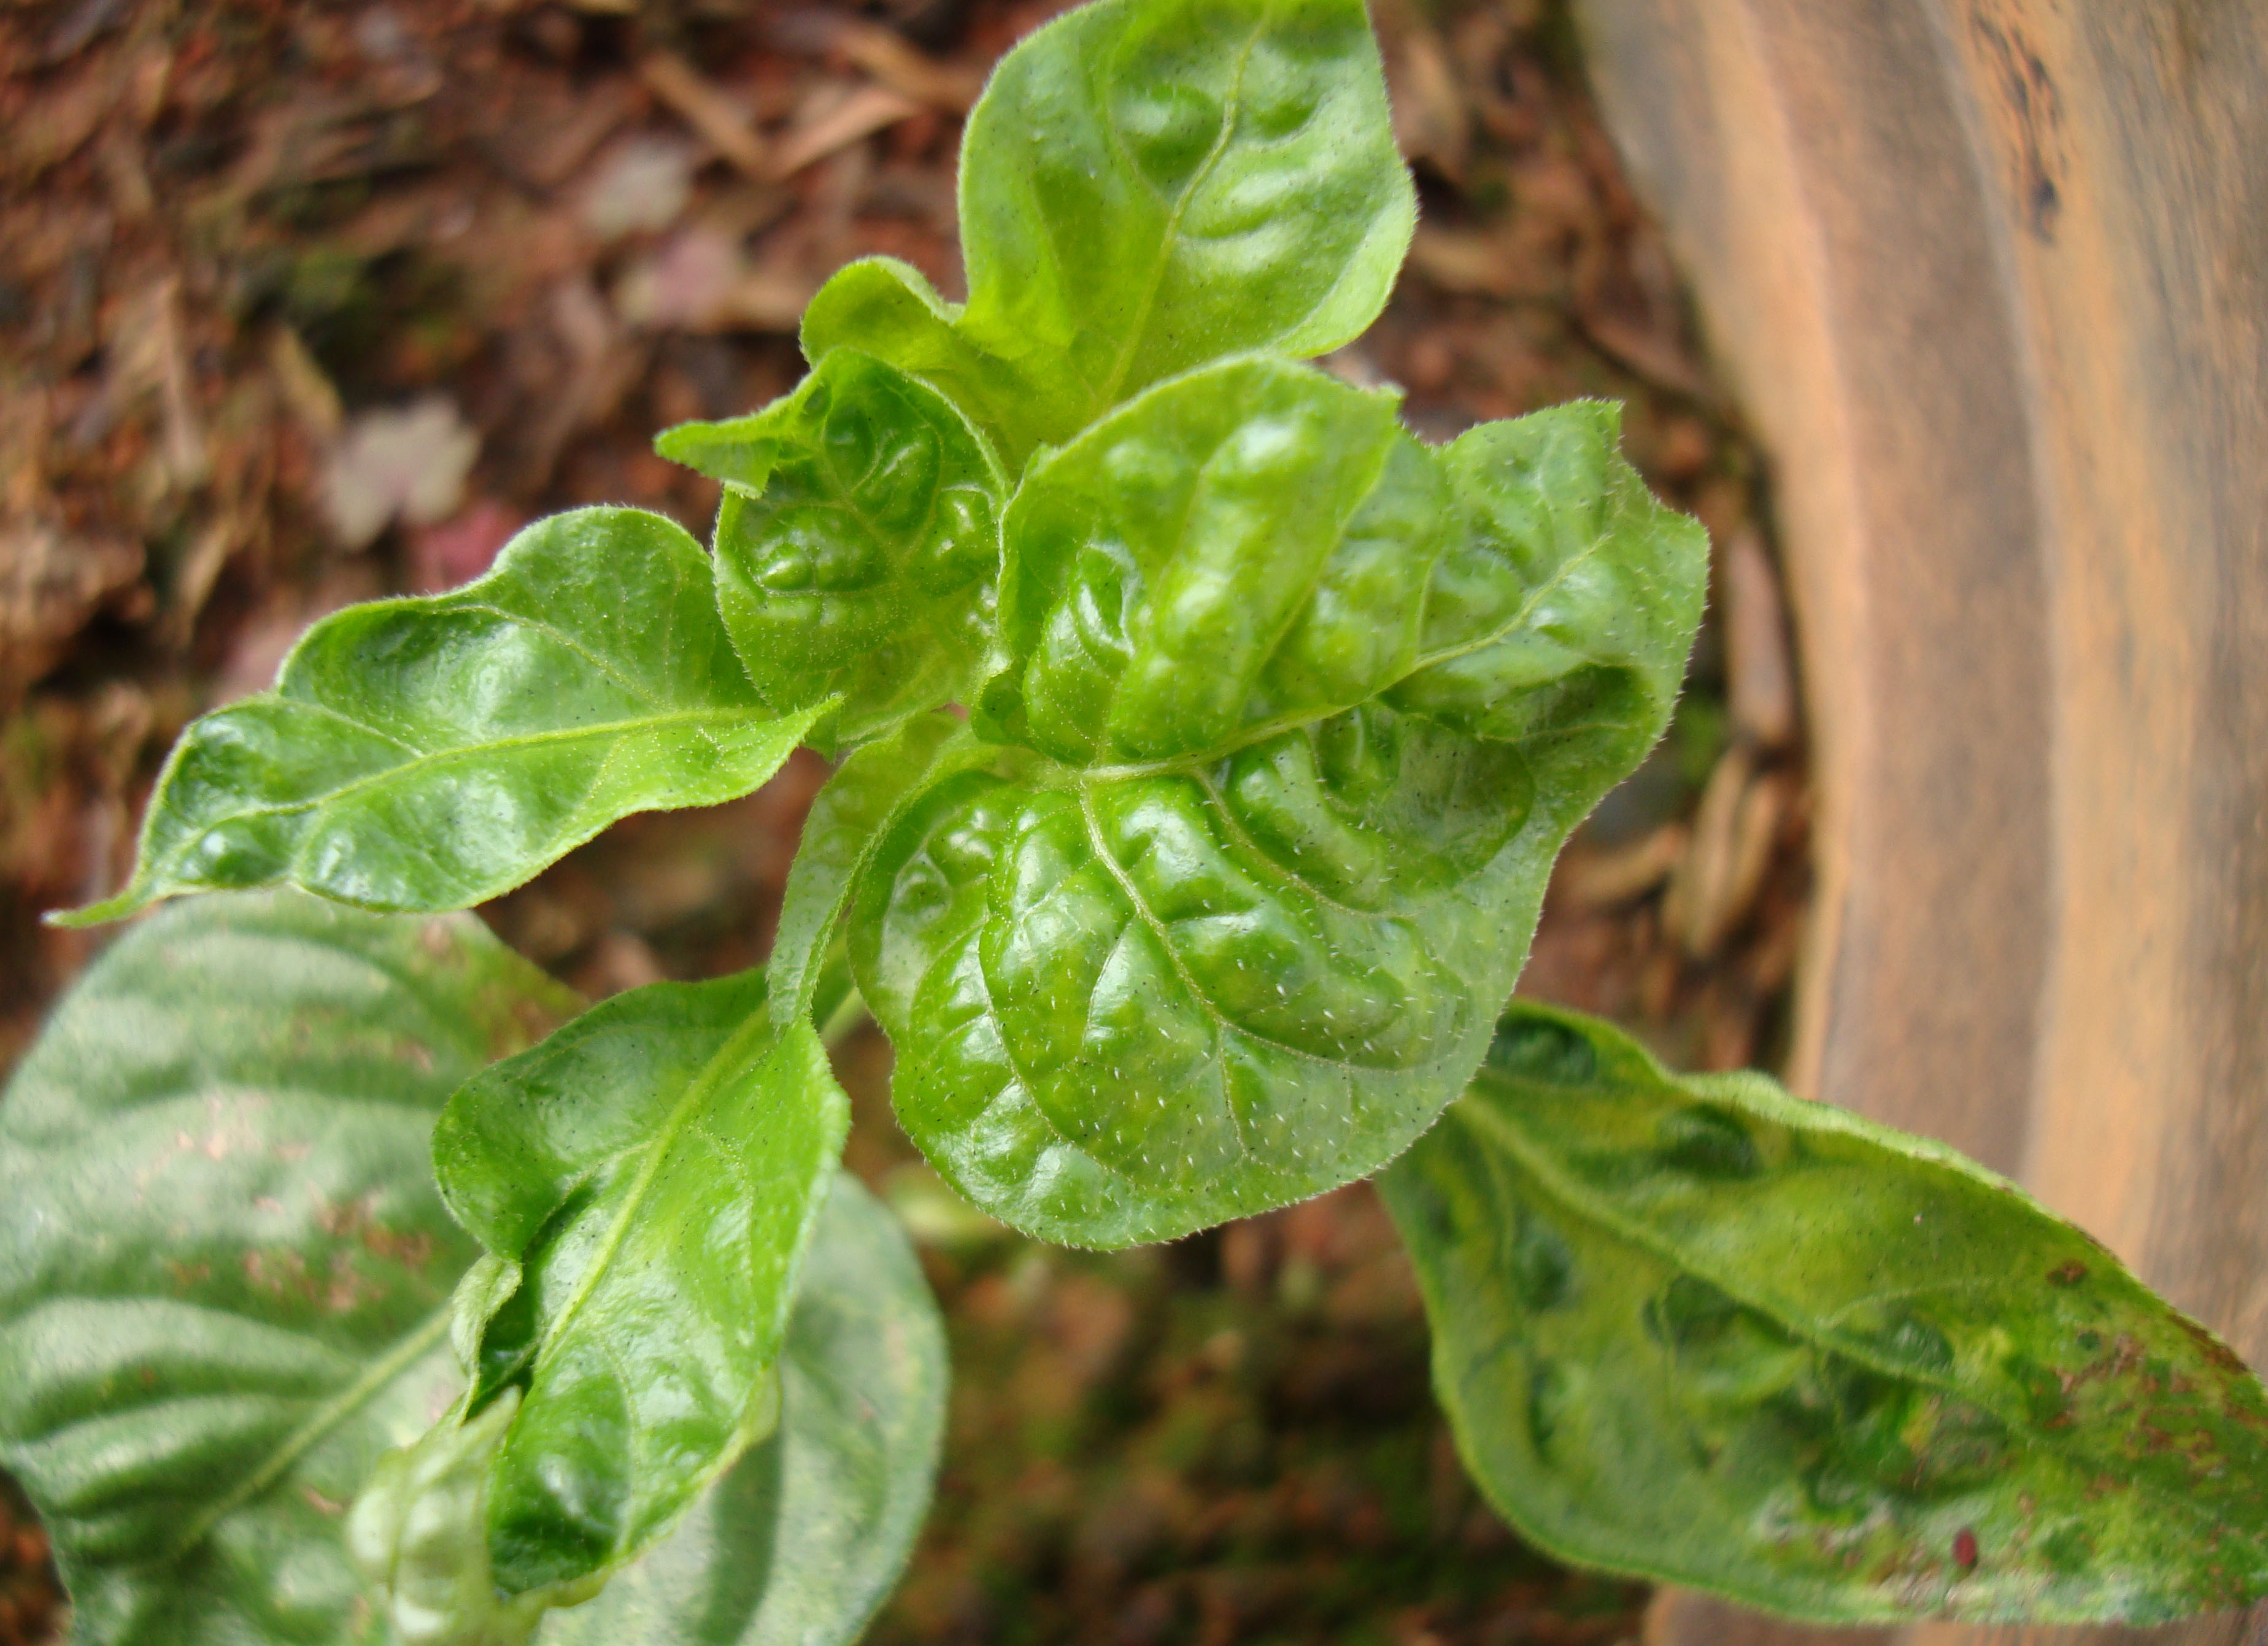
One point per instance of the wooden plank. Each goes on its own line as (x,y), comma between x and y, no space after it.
(1892,415)
(1991,278)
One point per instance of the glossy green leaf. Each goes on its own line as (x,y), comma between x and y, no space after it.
(1148,185)
(795,1546)
(1296,713)
(858,544)
(1696,1329)
(653,1170)
(847,821)
(224,1267)
(428,754)
(801,1542)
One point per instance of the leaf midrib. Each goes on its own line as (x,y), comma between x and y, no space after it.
(698,1092)
(1100,847)
(1277,726)
(1232,110)
(320,1424)
(531,740)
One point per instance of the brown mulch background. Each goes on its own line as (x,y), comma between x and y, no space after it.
(303,303)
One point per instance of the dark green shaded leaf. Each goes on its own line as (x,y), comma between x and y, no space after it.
(428,754)
(223,1267)
(856,550)
(1299,713)
(1144,188)
(653,1170)
(1697,1330)
(801,1541)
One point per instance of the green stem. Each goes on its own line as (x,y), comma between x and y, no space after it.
(850,1013)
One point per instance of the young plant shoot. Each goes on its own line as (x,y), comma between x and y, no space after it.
(1204,740)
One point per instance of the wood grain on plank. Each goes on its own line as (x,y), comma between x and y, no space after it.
(1990,276)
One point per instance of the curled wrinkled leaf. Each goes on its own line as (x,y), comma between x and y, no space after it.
(857,544)
(1145,187)
(652,1172)
(415,1534)
(1697,1330)
(428,754)
(796,1544)
(1294,714)
(224,1267)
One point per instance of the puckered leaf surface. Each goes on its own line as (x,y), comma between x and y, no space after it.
(1144,188)
(428,754)
(856,544)
(1696,1329)
(1294,714)
(223,1267)
(651,1173)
